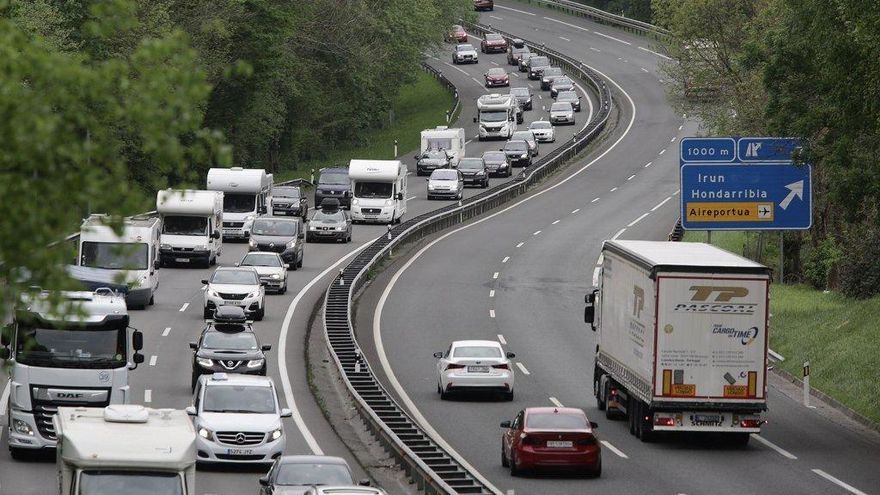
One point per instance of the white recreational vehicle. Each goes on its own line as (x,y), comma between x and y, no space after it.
(125,449)
(246,193)
(497,116)
(131,258)
(452,141)
(191,223)
(378,190)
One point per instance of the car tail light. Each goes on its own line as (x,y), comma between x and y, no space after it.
(501,366)
(454,367)
(613,391)
(751,423)
(527,440)
(591,440)
(664,421)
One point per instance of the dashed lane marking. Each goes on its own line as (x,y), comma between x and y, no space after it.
(514,10)
(631,177)
(522,368)
(564,38)
(153,360)
(183,308)
(619,232)
(411,197)
(672,140)
(614,449)
(491,292)
(506,259)
(644,69)
(166,331)
(501,339)
(648,164)
(496,17)
(595,49)
(457,68)
(536,232)
(661,203)
(637,220)
(612,189)
(148,396)
(839,483)
(556,402)
(491,313)
(594,200)
(575,211)
(655,53)
(493,63)
(555,222)
(777,448)
(662,151)
(520,244)
(495,275)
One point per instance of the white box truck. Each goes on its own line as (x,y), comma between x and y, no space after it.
(442,138)
(378,190)
(681,338)
(125,449)
(497,116)
(191,222)
(62,357)
(131,258)
(246,193)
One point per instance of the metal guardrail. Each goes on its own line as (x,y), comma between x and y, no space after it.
(603,17)
(677,232)
(456,106)
(434,469)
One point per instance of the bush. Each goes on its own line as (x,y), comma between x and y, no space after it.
(859,266)
(818,263)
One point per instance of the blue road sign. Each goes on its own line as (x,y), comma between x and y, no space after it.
(721,149)
(764,149)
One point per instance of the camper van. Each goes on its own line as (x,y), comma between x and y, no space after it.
(442,138)
(191,222)
(130,258)
(246,193)
(378,190)
(497,116)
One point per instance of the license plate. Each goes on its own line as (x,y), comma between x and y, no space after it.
(478,369)
(181,260)
(707,418)
(559,444)
(239,451)
(232,303)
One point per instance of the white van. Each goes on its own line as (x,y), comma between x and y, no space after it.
(191,223)
(452,141)
(131,258)
(497,116)
(378,190)
(246,193)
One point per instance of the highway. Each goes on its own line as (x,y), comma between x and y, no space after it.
(519,276)
(176,319)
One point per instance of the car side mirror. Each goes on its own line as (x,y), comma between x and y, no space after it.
(475,120)
(266,347)
(301,235)
(194,346)
(399,196)
(593,424)
(438,355)
(505,424)
(191,410)
(364,482)
(137,340)
(264,481)
(511,355)
(427,179)
(204,281)
(286,413)
(215,234)
(237,263)
(155,264)
(262,210)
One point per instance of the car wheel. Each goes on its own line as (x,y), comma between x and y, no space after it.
(508,396)
(504,462)
(600,402)
(444,395)
(348,239)
(17,454)
(596,471)
(283,289)
(514,471)
(302,257)
(152,300)
(195,379)
(260,314)
(207,313)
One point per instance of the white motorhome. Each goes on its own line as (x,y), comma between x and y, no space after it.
(77,353)
(125,449)
(191,222)
(378,190)
(246,193)
(442,138)
(497,116)
(131,258)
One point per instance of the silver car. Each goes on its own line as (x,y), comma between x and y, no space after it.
(271,269)
(571,97)
(464,54)
(446,183)
(561,113)
(528,137)
(543,131)
(561,83)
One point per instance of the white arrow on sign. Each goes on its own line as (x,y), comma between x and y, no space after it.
(795,189)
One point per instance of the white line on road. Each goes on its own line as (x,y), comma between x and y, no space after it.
(514,74)
(148,396)
(614,449)
(672,140)
(536,232)
(621,231)
(612,38)
(153,360)
(613,189)
(515,10)
(567,24)
(575,211)
(183,308)
(564,38)
(166,331)
(491,313)
(457,68)
(494,275)
(556,402)
(637,220)
(555,222)
(594,200)
(506,259)
(839,483)
(520,244)
(502,339)
(661,203)
(493,63)
(648,164)
(477,81)
(631,177)
(662,151)
(655,53)
(681,127)
(491,292)
(496,17)
(4,398)
(411,197)
(522,368)
(775,447)
(644,69)
(595,49)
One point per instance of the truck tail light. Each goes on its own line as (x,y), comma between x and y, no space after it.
(751,423)
(454,367)
(664,421)
(501,366)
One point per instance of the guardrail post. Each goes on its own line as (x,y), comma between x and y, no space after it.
(395,148)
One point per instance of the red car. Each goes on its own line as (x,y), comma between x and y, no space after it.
(493,43)
(484,5)
(457,34)
(496,76)
(550,437)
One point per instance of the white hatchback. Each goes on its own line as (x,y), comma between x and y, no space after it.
(543,131)
(474,365)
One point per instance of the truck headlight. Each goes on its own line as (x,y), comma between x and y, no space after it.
(164,246)
(249,218)
(21,427)
(252,243)
(275,276)
(355,201)
(275,435)
(203,247)
(524,156)
(204,362)
(255,363)
(388,202)
(206,433)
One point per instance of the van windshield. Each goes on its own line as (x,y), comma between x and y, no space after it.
(129,482)
(239,203)
(493,116)
(334,179)
(185,225)
(115,255)
(373,189)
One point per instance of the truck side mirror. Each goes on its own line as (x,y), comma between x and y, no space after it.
(475,120)
(438,355)
(6,335)
(286,413)
(399,196)
(510,355)
(301,235)
(364,482)
(264,481)
(138,358)
(137,340)
(204,281)
(262,210)
(191,410)
(155,264)
(266,347)
(215,234)
(194,346)
(589,314)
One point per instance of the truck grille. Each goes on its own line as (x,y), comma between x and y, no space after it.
(44,409)
(240,437)
(233,225)
(231,297)
(371,211)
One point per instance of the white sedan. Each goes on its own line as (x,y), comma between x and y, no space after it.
(474,365)
(543,131)
(270,267)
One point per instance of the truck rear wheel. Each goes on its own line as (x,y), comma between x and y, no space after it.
(600,392)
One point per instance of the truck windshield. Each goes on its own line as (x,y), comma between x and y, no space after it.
(75,347)
(239,203)
(494,116)
(129,482)
(185,225)
(115,255)
(373,189)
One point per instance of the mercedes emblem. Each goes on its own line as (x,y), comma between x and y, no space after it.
(239,438)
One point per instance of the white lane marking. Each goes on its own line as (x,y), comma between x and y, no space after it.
(676,192)
(564,38)
(522,368)
(493,63)
(672,140)
(4,398)
(655,53)
(612,38)
(491,292)
(555,222)
(166,331)
(183,308)
(377,315)
(520,244)
(637,220)
(594,200)
(506,259)
(614,449)
(496,17)
(631,177)
(514,74)
(643,69)
(515,10)
(153,360)
(621,231)
(648,164)
(556,402)
(494,275)
(536,232)
(613,189)
(777,448)
(468,141)
(502,339)
(477,81)
(839,483)
(681,127)
(595,49)
(567,24)
(408,174)
(511,492)
(661,203)
(457,68)
(282,354)
(491,313)
(411,197)
(148,396)
(575,211)
(662,151)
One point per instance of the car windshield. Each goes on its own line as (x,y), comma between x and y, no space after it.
(540,124)
(234,341)
(494,156)
(566,96)
(298,474)
(329,216)
(373,189)
(552,71)
(524,135)
(556,421)
(562,81)
(477,351)
(115,255)
(494,37)
(112,482)
(239,203)
(470,164)
(435,155)
(333,179)
(239,399)
(519,50)
(282,228)
(519,91)
(464,48)
(539,61)
(444,174)
(175,225)
(286,192)
(493,116)
(561,107)
(235,277)
(496,71)
(261,259)
(516,146)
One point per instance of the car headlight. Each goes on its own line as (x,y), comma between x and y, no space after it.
(340,228)
(212,293)
(21,427)
(388,202)
(205,362)
(355,201)
(206,433)
(275,276)
(164,246)
(275,435)
(291,243)
(203,247)
(249,218)
(254,294)
(252,243)
(480,172)
(255,363)
(431,186)
(524,156)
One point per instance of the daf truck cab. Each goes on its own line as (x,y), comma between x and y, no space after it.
(126,449)
(191,222)
(131,258)
(442,138)
(65,349)
(497,116)
(378,190)
(246,194)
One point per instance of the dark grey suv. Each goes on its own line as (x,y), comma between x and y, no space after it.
(279,235)
(228,344)
(334,183)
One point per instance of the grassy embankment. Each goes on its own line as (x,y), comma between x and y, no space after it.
(839,336)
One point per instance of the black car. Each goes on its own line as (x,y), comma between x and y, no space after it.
(228,344)
(334,183)
(280,235)
(474,172)
(518,153)
(431,160)
(523,97)
(550,73)
(536,66)
(497,163)
(289,201)
(295,474)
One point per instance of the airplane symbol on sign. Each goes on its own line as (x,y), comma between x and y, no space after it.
(764,211)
